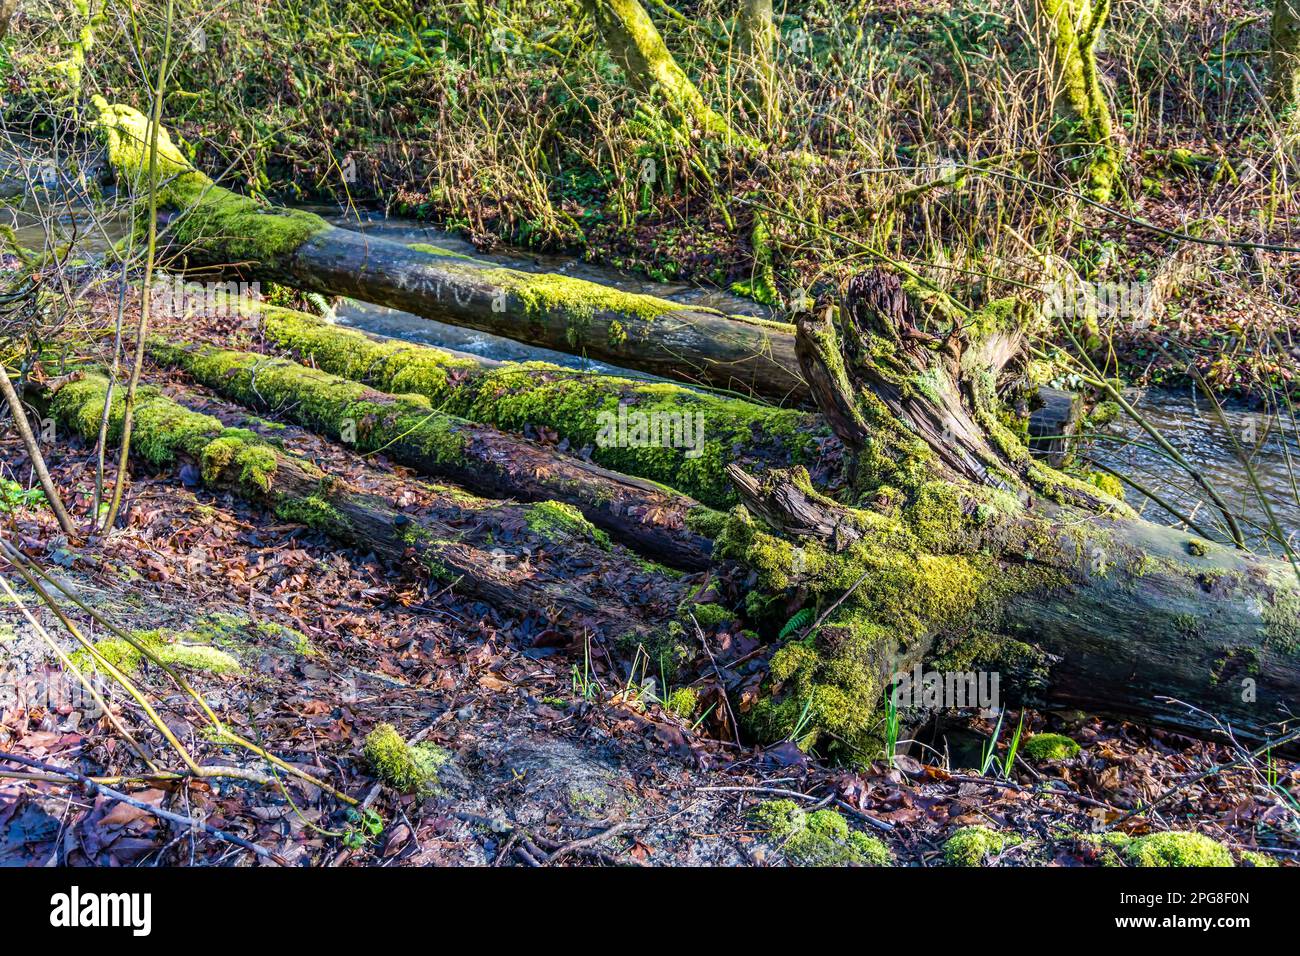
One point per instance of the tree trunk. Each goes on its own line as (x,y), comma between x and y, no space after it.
(758,45)
(1285,48)
(7,10)
(411,431)
(635,44)
(516,558)
(609,416)
(1072,29)
(213,227)
(965,551)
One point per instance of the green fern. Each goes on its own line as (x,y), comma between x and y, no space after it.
(800,620)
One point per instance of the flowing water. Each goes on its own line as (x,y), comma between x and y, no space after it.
(1221,451)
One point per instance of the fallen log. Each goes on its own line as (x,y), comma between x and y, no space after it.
(963,551)
(209,226)
(655,430)
(411,430)
(543,558)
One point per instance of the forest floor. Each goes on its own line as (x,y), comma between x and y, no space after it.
(540,770)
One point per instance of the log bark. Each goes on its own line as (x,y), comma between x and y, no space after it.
(211,227)
(510,556)
(412,431)
(1122,616)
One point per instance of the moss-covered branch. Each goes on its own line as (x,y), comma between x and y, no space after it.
(634,42)
(410,429)
(1073,29)
(516,557)
(583,408)
(213,227)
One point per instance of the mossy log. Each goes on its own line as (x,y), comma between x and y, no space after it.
(583,408)
(542,558)
(961,549)
(413,431)
(212,227)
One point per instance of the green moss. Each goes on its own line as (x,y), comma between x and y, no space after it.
(820,838)
(683,702)
(1105,481)
(1175,848)
(238,633)
(973,845)
(223,225)
(709,616)
(314,512)
(578,298)
(576,405)
(560,522)
(1254,859)
(175,650)
(405,768)
(1050,747)
(438,251)
(827,688)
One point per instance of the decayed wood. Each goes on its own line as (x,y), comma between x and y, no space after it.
(648,517)
(1137,619)
(1145,621)
(887,349)
(1052,424)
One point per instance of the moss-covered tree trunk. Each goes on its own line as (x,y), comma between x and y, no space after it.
(960,549)
(412,431)
(1285,49)
(635,44)
(543,558)
(1072,29)
(213,227)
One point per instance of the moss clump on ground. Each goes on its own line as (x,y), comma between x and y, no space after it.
(560,522)
(1252,858)
(683,702)
(1174,848)
(971,846)
(1050,747)
(186,650)
(820,838)
(406,768)
(239,634)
